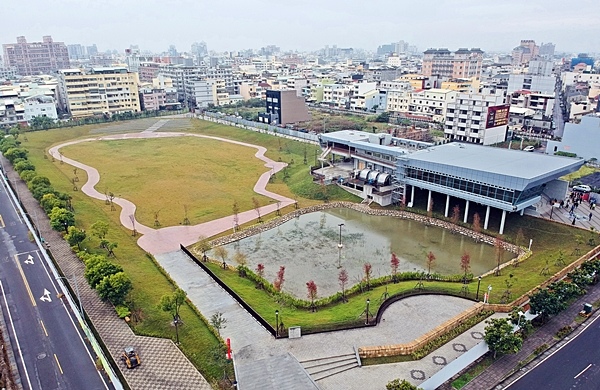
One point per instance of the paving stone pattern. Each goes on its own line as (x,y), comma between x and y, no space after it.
(164,366)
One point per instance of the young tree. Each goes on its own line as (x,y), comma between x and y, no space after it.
(61,219)
(278,283)
(260,270)
(75,236)
(367,269)
(311,287)
(476,223)
(465,264)
(50,201)
(546,303)
(430,262)
(240,258)
(236,211)
(455,214)
(394,263)
(218,322)
(398,384)
(499,244)
(500,337)
(256,205)
(430,208)
(343,280)
(97,268)
(520,238)
(221,252)
(114,288)
(172,303)
(203,246)
(99,229)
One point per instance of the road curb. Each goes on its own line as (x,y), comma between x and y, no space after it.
(14,371)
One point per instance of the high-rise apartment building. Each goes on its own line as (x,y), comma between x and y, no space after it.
(34,58)
(525,52)
(461,64)
(101,91)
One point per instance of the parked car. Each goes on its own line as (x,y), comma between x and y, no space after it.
(582,188)
(528,148)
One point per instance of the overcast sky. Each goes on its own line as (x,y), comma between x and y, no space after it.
(305,24)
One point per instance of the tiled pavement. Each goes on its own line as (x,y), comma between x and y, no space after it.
(164,366)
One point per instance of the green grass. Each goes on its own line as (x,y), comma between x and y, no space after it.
(581,172)
(468,376)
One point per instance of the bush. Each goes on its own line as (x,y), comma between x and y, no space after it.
(122,311)
(564,331)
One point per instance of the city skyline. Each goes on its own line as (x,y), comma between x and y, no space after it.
(305,26)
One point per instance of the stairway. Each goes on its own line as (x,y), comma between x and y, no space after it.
(325,367)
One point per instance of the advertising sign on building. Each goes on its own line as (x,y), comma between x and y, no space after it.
(497,116)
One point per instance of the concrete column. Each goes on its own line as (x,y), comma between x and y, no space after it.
(487,218)
(466,212)
(522,212)
(412,196)
(502,222)
(447,206)
(429,201)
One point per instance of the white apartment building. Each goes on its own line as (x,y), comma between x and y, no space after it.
(40,106)
(336,95)
(199,93)
(570,78)
(531,82)
(431,103)
(363,96)
(477,118)
(101,91)
(252,90)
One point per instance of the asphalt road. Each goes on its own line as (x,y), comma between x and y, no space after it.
(575,366)
(48,345)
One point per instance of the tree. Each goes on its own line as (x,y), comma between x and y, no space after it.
(430,262)
(14,132)
(114,288)
(403,384)
(222,253)
(280,279)
(343,280)
(476,223)
(260,270)
(24,165)
(203,246)
(500,337)
(218,322)
(256,205)
(75,236)
(41,122)
(455,215)
(465,264)
(99,229)
(50,201)
(394,263)
(236,211)
(97,268)
(14,153)
(499,244)
(61,219)
(311,287)
(172,303)
(367,269)
(384,117)
(546,303)
(240,258)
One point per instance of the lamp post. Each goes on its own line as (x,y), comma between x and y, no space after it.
(368,301)
(340,246)
(521,315)
(76,291)
(276,323)
(478,284)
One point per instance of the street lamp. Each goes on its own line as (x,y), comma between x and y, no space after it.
(276,323)
(478,284)
(489,289)
(368,301)
(340,246)
(76,291)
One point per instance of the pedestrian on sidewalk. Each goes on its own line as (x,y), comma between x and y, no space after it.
(590,217)
(573,223)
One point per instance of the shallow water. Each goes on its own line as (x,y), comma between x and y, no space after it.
(308,247)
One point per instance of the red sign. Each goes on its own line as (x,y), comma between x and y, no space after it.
(497,116)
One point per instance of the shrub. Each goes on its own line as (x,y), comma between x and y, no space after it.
(122,311)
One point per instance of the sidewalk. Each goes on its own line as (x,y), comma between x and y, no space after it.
(164,365)
(502,368)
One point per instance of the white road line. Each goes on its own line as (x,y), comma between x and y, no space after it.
(582,371)
(16,337)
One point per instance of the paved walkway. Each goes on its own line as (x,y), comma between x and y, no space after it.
(581,215)
(168,239)
(164,365)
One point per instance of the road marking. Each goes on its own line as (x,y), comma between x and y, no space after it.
(582,371)
(15,334)
(43,327)
(25,281)
(46,296)
(57,362)
(29,260)
(2,221)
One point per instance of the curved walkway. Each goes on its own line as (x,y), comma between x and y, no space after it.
(167,239)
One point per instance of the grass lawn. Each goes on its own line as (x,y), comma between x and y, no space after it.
(169,174)
(468,376)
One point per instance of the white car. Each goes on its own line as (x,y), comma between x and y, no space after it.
(528,148)
(582,188)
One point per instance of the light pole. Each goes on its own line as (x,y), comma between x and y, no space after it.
(478,284)
(76,291)
(521,315)
(368,301)
(276,323)
(340,246)
(489,289)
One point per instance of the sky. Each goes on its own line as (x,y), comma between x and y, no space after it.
(305,25)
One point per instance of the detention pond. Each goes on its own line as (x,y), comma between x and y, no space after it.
(308,247)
